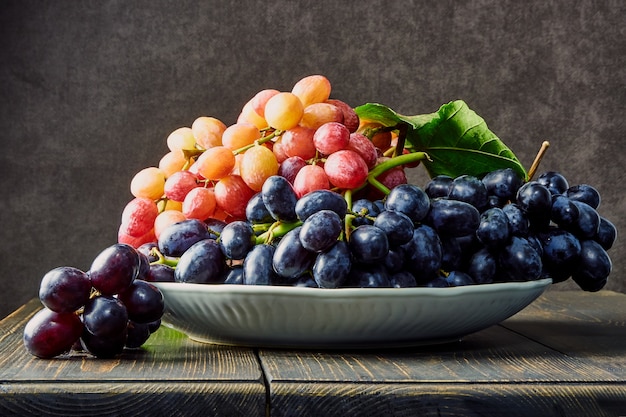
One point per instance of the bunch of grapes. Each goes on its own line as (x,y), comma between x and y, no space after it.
(103,311)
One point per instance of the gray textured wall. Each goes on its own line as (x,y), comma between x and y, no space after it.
(91,89)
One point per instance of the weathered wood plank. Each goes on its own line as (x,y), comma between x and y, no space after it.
(588,326)
(447,399)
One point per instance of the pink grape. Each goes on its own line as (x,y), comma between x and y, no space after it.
(232,195)
(199,203)
(289,167)
(363,146)
(346,169)
(138,216)
(350,118)
(298,141)
(179,184)
(310,178)
(331,137)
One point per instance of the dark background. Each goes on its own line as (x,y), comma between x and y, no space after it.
(90,90)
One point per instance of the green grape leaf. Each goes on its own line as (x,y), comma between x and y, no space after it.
(456,139)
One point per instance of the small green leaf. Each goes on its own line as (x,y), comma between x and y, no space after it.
(456,139)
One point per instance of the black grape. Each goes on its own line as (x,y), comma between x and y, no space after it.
(114,269)
(368,276)
(494,229)
(279,198)
(234,275)
(438,186)
(237,239)
(423,253)
(402,279)
(587,223)
(160,273)
(368,244)
(143,301)
(584,193)
(178,237)
(257,266)
(555,182)
(607,234)
(518,221)
(64,289)
(519,261)
(331,268)
(321,200)
(397,226)
(453,217)
(561,253)
(534,198)
(105,316)
(202,263)
(320,230)
(469,189)
(594,268)
(502,183)
(104,346)
(291,259)
(564,212)
(459,279)
(483,266)
(410,200)
(48,333)
(256,212)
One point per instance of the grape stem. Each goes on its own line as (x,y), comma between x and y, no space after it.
(277,229)
(542,151)
(162,259)
(257,142)
(396,161)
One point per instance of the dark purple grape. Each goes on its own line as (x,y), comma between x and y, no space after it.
(396,225)
(291,259)
(320,230)
(104,347)
(365,212)
(394,261)
(143,301)
(146,249)
(469,189)
(331,268)
(64,289)
(202,263)
(437,282)
(518,221)
(368,244)
(402,279)
(368,276)
(319,200)
(555,182)
(451,254)
(410,200)
(137,335)
(215,227)
(279,198)
(48,333)
(607,234)
(175,239)
(256,212)
(290,167)
(105,316)
(502,183)
(144,266)
(534,198)
(594,268)
(519,261)
(114,269)
(160,273)
(483,267)
(561,253)
(423,253)
(237,239)
(438,186)
(563,212)
(234,275)
(459,279)
(453,217)
(305,280)
(257,267)
(587,224)
(494,229)
(584,193)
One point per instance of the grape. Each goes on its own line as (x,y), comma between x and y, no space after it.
(290,167)
(555,182)
(258,164)
(64,289)
(104,347)
(280,198)
(234,275)
(423,253)
(459,279)
(494,229)
(179,237)
(561,252)
(451,255)
(284,110)
(305,280)
(320,200)
(320,230)
(502,183)
(143,301)
(584,193)
(376,132)
(364,147)
(312,89)
(587,224)
(317,114)
(202,263)
(137,334)
(165,219)
(105,316)
(534,198)
(310,178)
(179,184)
(48,333)
(397,226)
(331,268)
(453,217)
(291,259)
(370,276)
(394,261)
(437,282)
(256,212)
(362,208)
(172,162)
(215,163)
(215,227)
(239,135)
(517,220)
(114,269)
(237,239)
(390,179)
(232,195)
(138,216)
(607,234)
(346,169)
(350,118)
(594,268)
(483,266)
(402,279)
(148,183)
(249,115)
(181,139)
(469,189)
(438,186)
(410,200)
(257,267)
(519,261)
(368,244)
(160,273)
(208,131)
(259,100)
(298,141)
(563,212)
(331,137)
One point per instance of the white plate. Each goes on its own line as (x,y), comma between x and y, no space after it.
(297,317)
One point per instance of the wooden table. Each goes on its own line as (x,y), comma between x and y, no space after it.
(565,355)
